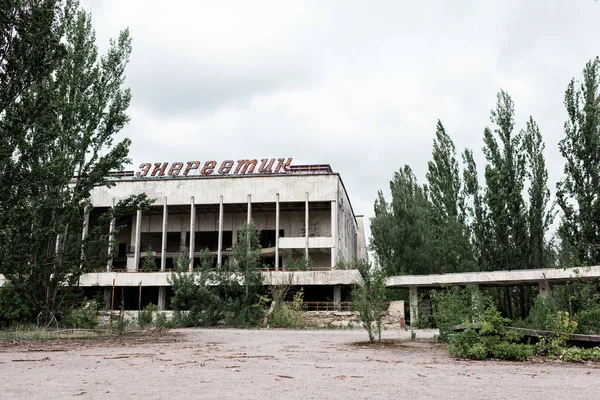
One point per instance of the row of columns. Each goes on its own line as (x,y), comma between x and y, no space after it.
(543,291)
(165,222)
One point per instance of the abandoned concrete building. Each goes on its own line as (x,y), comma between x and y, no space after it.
(300,210)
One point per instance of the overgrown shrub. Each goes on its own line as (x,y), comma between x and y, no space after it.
(229,295)
(161,321)
(297,262)
(490,341)
(577,354)
(288,315)
(14,307)
(146,315)
(589,321)
(369,299)
(84,317)
(453,307)
(541,316)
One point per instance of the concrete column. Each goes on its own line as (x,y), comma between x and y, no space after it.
(249,218)
(544,289)
(162,297)
(219,250)
(277,231)
(306,225)
(413,305)
(165,228)
(111,239)
(86,222)
(334,233)
(138,239)
(476,303)
(192,233)
(337,296)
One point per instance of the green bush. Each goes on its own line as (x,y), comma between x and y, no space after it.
(14,307)
(577,354)
(84,317)
(541,316)
(589,321)
(512,351)
(288,315)
(146,315)
(491,341)
(452,307)
(161,321)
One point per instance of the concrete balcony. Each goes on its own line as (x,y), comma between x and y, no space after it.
(337,277)
(319,242)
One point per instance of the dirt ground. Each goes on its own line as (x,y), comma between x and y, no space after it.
(274,364)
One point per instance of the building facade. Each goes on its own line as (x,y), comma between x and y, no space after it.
(302,212)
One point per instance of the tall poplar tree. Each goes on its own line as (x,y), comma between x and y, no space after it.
(505,178)
(401,229)
(57,146)
(452,249)
(578,192)
(539,213)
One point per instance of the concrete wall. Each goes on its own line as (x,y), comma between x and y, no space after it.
(347,228)
(208,190)
(361,242)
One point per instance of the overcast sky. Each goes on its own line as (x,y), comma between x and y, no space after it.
(358,85)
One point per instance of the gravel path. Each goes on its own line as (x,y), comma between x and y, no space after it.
(277,364)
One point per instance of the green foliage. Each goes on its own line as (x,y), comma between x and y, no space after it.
(120,325)
(542,315)
(401,229)
(589,321)
(491,341)
(297,262)
(451,249)
(343,264)
(228,295)
(369,300)
(61,107)
(577,192)
(84,317)
(14,306)
(161,321)
(288,315)
(577,354)
(149,261)
(564,327)
(453,307)
(146,316)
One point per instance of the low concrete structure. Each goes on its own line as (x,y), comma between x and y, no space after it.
(296,278)
(543,278)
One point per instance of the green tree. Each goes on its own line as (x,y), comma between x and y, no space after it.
(401,229)
(230,294)
(578,192)
(540,213)
(505,179)
(369,299)
(57,127)
(476,212)
(245,265)
(149,262)
(451,246)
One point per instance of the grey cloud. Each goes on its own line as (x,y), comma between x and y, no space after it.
(357,85)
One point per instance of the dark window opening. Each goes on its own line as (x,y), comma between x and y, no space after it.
(122,252)
(210,240)
(173,241)
(267,237)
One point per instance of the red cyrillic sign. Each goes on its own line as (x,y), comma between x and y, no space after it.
(227,167)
